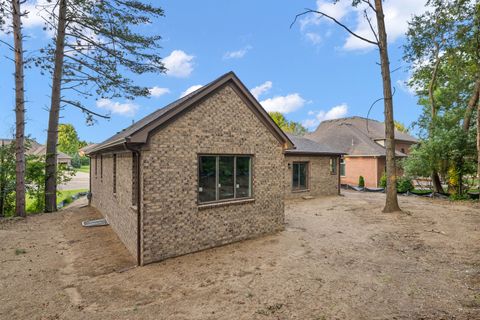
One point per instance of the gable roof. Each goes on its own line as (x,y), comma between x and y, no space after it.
(304,146)
(356,136)
(138,132)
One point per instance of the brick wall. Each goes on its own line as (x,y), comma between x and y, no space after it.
(368,167)
(116,208)
(320,181)
(173,222)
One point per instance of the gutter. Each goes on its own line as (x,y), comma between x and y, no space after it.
(136,154)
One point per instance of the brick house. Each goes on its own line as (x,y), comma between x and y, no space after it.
(206,170)
(363,142)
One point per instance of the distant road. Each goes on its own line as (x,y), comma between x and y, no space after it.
(79,181)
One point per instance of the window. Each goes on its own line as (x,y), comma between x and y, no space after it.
(342,167)
(114,173)
(224,178)
(333,165)
(101,166)
(299,178)
(96,166)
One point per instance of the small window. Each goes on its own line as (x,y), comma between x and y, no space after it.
(224,178)
(96,165)
(114,173)
(333,165)
(342,167)
(101,166)
(299,176)
(403,150)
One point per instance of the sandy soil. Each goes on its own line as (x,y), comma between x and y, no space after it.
(338,258)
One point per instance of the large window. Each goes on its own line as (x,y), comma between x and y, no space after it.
(342,167)
(300,176)
(224,177)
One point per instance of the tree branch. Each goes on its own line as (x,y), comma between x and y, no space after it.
(307,11)
(79,106)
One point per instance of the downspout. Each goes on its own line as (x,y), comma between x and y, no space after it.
(136,153)
(89,196)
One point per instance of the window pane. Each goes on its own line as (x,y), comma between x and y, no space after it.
(302,181)
(342,167)
(295,176)
(243,177)
(207,179)
(333,165)
(225,177)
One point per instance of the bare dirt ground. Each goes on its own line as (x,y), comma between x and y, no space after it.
(338,258)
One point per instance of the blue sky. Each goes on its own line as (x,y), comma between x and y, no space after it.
(311,72)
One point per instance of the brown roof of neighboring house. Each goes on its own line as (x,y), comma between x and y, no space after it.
(356,136)
(138,132)
(304,146)
(36,149)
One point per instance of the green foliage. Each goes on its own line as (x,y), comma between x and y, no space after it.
(401,127)
(383,180)
(404,184)
(287,126)
(68,141)
(19,251)
(107,43)
(361,182)
(441,49)
(34,179)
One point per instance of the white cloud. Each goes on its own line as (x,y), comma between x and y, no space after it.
(313,37)
(261,89)
(36,11)
(190,90)
(125,109)
(237,54)
(397,15)
(158,91)
(334,113)
(179,64)
(283,104)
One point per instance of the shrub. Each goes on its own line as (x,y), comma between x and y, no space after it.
(361,182)
(404,184)
(383,180)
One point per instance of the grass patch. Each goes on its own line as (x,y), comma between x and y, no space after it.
(61,196)
(20,251)
(85,169)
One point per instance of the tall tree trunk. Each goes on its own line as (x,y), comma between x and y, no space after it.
(19,112)
(52,134)
(2,180)
(391,203)
(478,146)
(437,184)
(472,103)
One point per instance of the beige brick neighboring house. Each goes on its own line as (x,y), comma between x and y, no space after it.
(363,142)
(207,170)
(312,169)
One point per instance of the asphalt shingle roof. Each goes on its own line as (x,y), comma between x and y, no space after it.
(356,136)
(307,146)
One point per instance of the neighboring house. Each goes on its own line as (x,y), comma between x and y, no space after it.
(313,169)
(206,170)
(363,142)
(40,149)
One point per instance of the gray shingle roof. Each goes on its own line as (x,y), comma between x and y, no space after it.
(307,146)
(356,136)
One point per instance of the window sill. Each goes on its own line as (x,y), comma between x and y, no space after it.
(300,191)
(225,203)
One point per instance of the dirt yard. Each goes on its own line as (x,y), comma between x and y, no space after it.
(338,258)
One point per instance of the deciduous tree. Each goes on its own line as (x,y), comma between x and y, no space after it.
(380,41)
